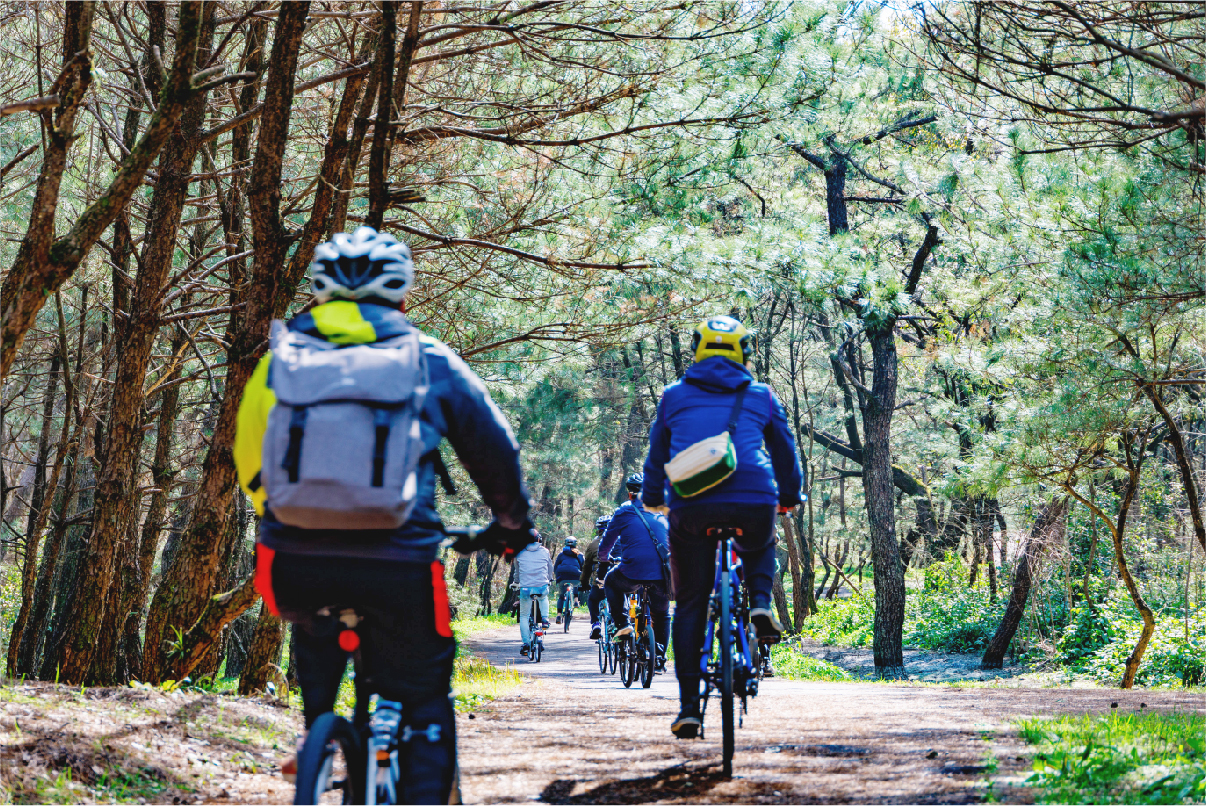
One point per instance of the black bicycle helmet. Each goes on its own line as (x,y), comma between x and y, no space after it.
(601,524)
(634,482)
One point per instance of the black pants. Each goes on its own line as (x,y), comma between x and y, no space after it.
(592,603)
(406,650)
(693,564)
(617,584)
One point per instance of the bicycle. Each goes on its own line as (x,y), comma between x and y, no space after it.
(638,650)
(565,603)
(607,658)
(536,630)
(731,664)
(335,746)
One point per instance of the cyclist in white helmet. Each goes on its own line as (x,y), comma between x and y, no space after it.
(392,577)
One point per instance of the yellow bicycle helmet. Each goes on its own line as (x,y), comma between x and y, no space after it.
(723,336)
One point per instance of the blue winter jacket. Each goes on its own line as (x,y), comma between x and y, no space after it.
(697,407)
(631,544)
(568,565)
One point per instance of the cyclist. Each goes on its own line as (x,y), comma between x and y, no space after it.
(766,479)
(592,577)
(636,543)
(568,568)
(391,577)
(533,574)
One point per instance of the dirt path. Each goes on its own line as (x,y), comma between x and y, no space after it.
(572,735)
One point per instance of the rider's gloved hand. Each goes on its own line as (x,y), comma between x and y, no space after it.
(503,542)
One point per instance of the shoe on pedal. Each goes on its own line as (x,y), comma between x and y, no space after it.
(623,632)
(558,618)
(289,769)
(596,631)
(766,625)
(525,650)
(687,725)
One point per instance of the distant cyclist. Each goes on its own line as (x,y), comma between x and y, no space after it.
(593,572)
(533,575)
(718,388)
(567,568)
(636,541)
(328,469)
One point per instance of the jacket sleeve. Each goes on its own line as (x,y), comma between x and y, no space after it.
(653,491)
(610,536)
(784,458)
(250,425)
(588,563)
(549,563)
(482,438)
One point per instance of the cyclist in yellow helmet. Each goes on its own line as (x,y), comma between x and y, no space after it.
(719,389)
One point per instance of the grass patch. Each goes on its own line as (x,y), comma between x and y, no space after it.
(477,681)
(1120,758)
(792,664)
(463,628)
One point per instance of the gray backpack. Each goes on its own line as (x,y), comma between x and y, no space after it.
(343,441)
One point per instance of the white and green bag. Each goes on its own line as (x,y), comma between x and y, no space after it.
(700,467)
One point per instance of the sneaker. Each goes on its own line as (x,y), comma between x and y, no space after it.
(765,624)
(545,624)
(289,769)
(687,725)
(558,618)
(525,650)
(596,631)
(623,632)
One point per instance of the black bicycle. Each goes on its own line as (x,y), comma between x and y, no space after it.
(607,652)
(637,651)
(565,603)
(732,663)
(536,630)
(356,760)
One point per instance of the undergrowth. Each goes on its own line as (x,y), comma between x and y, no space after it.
(1119,758)
(792,664)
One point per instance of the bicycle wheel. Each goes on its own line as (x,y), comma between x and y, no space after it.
(537,650)
(627,661)
(603,653)
(615,658)
(567,613)
(649,650)
(726,670)
(332,749)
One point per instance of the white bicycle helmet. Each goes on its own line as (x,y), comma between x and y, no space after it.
(366,264)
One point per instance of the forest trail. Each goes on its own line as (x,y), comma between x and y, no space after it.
(572,735)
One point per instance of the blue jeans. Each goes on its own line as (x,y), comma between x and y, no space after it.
(525,609)
(592,603)
(693,565)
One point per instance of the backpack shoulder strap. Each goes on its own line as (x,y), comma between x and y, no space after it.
(736,411)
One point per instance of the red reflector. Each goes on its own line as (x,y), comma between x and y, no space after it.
(349,641)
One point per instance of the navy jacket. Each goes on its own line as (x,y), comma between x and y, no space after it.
(631,544)
(697,407)
(568,565)
(458,408)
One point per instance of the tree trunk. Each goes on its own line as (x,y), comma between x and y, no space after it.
(184,595)
(1182,455)
(265,647)
(799,586)
(1049,528)
(878,488)
(510,597)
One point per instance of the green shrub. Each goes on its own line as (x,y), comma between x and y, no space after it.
(792,664)
(1087,631)
(952,621)
(1170,659)
(843,622)
(1120,758)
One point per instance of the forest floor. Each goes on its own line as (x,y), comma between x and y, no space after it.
(566,735)
(922,665)
(572,735)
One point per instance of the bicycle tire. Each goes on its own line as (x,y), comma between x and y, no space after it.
(329,735)
(537,651)
(615,658)
(650,653)
(726,669)
(603,653)
(627,661)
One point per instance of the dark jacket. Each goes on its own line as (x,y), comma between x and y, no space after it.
(590,562)
(458,408)
(628,541)
(568,565)
(697,407)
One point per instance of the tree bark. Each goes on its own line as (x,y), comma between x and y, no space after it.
(877,490)
(116,499)
(265,647)
(1177,440)
(1047,529)
(182,597)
